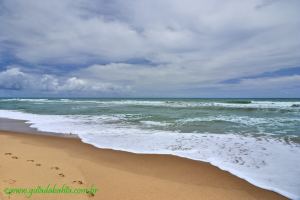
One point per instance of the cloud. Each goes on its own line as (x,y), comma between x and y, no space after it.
(14,79)
(64,32)
(284,82)
(279,87)
(135,80)
(145,80)
(187,44)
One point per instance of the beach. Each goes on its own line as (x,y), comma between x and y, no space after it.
(29,160)
(243,138)
(157,100)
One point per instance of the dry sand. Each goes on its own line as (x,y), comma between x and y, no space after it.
(28,160)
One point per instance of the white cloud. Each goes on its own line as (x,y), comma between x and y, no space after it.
(59,32)
(64,31)
(131,80)
(157,80)
(47,83)
(192,43)
(14,79)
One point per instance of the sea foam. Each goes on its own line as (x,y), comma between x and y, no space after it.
(267,162)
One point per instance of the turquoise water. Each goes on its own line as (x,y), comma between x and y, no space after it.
(280,117)
(256,139)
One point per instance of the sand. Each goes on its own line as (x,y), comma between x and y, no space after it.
(29,160)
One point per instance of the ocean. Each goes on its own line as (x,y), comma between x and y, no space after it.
(255,139)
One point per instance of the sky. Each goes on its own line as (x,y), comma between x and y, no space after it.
(150,48)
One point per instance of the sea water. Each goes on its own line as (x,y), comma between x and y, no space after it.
(255,139)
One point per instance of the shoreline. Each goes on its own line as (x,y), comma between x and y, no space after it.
(189,179)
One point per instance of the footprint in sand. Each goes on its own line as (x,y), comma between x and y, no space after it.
(61,175)
(79,182)
(55,168)
(8,154)
(10,181)
(90,194)
(14,157)
(38,164)
(30,160)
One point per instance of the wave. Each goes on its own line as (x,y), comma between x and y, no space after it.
(267,162)
(28,100)
(231,104)
(239,101)
(154,123)
(246,120)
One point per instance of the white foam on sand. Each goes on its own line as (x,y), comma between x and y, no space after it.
(264,161)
